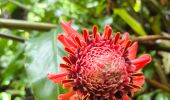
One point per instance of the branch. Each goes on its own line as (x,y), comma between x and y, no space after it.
(151,38)
(150,42)
(158,85)
(19,24)
(11,37)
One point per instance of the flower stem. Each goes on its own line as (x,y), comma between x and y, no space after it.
(158,85)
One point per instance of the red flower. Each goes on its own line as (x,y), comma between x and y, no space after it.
(99,67)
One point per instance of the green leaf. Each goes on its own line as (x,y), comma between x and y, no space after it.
(135,25)
(5,96)
(161,96)
(2,46)
(147,96)
(16,64)
(42,58)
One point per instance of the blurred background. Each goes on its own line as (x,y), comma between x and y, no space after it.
(29,49)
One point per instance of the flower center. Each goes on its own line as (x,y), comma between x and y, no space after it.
(102,70)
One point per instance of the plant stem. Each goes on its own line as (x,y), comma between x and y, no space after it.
(19,24)
(151,38)
(11,37)
(158,85)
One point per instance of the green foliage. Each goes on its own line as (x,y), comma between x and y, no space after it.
(42,59)
(130,21)
(159,96)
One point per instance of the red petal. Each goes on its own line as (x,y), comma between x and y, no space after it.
(69,30)
(73,59)
(105,34)
(127,45)
(116,37)
(94,31)
(68,85)
(61,38)
(64,66)
(67,60)
(138,81)
(137,74)
(139,66)
(67,81)
(86,34)
(132,51)
(78,41)
(125,38)
(59,80)
(69,51)
(126,97)
(66,95)
(97,37)
(66,42)
(83,43)
(141,61)
(74,97)
(54,76)
(109,33)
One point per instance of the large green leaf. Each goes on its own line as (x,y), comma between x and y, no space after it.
(135,25)
(41,53)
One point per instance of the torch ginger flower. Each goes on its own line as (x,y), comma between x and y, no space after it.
(99,67)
